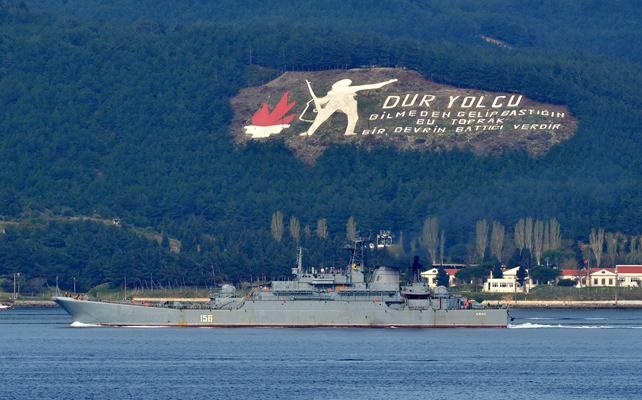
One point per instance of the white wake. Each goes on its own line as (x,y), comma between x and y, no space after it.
(529,325)
(77,324)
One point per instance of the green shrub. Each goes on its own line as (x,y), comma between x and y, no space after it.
(566,283)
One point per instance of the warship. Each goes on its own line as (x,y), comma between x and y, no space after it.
(314,297)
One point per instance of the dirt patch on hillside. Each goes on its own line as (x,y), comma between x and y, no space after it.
(393,107)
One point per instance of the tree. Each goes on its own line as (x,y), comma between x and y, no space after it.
(322,228)
(442,246)
(632,256)
(430,237)
(277,226)
(497,240)
(546,237)
(442,277)
(560,257)
(543,274)
(497,271)
(351,229)
(521,275)
(621,246)
(10,203)
(474,274)
(295,229)
(596,242)
(481,238)
(519,234)
(528,234)
(566,282)
(538,241)
(525,259)
(554,235)
(611,247)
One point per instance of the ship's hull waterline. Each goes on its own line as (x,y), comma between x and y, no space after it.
(295,314)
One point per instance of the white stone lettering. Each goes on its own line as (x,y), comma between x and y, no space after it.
(391,102)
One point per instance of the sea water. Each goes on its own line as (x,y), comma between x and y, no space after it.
(545,354)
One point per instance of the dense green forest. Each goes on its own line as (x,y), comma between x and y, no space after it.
(119,109)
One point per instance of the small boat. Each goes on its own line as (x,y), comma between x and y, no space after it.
(4,306)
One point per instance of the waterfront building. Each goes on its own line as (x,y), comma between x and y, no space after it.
(629,275)
(621,275)
(603,277)
(508,283)
(576,275)
(431,275)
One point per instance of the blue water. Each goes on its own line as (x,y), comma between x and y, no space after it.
(546,354)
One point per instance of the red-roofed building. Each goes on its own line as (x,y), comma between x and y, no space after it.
(629,275)
(431,276)
(621,275)
(577,275)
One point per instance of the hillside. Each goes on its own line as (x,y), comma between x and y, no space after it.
(396,108)
(591,26)
(123,110)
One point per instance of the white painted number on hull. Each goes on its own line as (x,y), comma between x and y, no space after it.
(207,318)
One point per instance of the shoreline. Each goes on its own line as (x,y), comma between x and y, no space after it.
(567,304)
(31,304)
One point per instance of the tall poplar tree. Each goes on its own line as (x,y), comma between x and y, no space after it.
(481,238)
(295,229)
(351,229)
(497,240)
(430,237)
(277,226)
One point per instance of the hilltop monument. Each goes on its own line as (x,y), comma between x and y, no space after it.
(341,97)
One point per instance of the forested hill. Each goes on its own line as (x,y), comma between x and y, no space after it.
(590,26)
(120,109)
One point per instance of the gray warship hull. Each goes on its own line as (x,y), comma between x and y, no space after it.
(374,312)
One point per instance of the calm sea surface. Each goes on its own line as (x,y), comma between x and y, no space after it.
(546,354)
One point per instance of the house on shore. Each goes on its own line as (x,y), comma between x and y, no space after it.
(508,283)
(629,275)
(451,270)
(577,275)
(621,275)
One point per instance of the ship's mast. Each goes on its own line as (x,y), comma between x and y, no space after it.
(298,270)
(299,260)
(357,260)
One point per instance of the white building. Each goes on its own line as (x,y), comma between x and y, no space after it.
(603,277)
(431,276)
(621,275)
(508,283)
(576,275)
(629,275)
